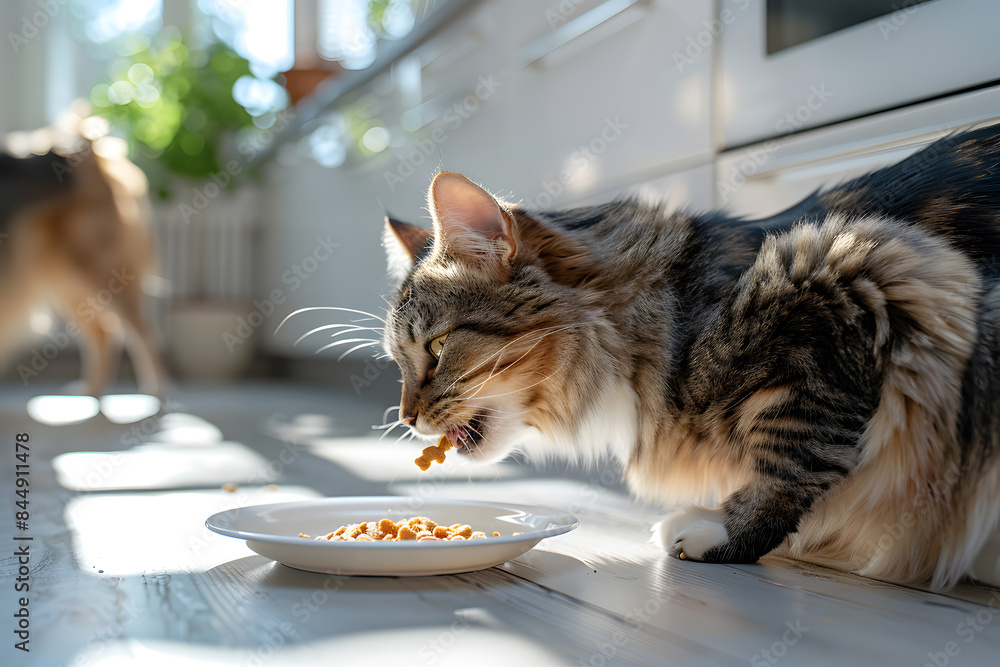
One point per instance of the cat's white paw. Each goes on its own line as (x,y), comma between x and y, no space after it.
(690,532)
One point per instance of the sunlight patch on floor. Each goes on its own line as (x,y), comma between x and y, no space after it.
(63,410)
(157,465)
(131,534)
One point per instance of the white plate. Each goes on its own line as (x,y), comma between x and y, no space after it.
(272,531)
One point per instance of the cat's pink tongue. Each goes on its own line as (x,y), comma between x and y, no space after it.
(457,436)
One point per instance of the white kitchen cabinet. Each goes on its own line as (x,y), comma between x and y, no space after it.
(768,177)
(620,102)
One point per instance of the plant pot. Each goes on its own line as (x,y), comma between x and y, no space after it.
(206,342)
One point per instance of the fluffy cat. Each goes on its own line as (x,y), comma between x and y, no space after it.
(822,382)
(74,234)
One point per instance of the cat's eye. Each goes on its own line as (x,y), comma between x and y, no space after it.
(436,345)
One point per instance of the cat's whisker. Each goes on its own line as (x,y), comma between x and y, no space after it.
(358,347)
(558,327)
(489,357)
(389,430)
(367,343)
(503,412)
(508,393)
(345,341)
(311,308)
(492,373)
(511,365)
(347,328)
(385,415)
(410,434)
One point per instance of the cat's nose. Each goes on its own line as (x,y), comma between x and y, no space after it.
(408,406)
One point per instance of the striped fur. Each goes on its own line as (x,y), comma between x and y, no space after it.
(823,382)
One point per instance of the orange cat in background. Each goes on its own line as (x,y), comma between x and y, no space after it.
(74,233)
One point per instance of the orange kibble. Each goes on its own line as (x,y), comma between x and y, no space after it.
(229,487)
(496,534)
(417,528)
(433,453)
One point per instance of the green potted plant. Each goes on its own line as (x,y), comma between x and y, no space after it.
(173,102)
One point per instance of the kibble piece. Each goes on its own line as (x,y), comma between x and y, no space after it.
(417,528)
(433,453)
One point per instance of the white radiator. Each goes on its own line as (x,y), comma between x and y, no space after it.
(207,254)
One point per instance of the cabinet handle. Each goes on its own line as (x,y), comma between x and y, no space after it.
(566,33)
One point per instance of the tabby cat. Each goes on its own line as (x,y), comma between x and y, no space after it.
(823,382)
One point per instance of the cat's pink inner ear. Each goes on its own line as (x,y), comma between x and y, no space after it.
(459,205)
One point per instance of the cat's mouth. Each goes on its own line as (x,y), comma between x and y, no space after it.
(467,438)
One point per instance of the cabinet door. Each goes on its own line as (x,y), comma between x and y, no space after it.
(768,177)
(603,94)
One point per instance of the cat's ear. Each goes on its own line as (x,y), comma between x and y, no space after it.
(469,222)
(404,245)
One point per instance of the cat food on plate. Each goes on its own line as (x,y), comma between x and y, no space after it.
(433,453)
(418,528)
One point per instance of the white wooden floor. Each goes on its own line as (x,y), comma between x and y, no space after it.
(123,572)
